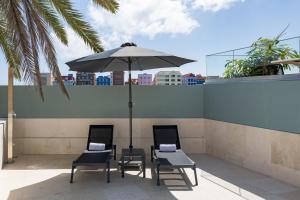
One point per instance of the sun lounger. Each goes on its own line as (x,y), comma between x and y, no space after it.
(168,134)
(99,136)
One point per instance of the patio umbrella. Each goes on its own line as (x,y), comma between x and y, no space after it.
(128,57)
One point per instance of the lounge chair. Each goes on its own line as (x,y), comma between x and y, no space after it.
(168,134)
(97,134)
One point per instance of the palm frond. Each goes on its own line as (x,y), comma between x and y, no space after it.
(47,47)
(18,27)
(75,20)
(46,10)
(110,5)
(32,29)
(8,47)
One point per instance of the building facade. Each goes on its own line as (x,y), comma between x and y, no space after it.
(85,78)
(134,81)
(145,79)
(46,79)
(103,80)
(168,78)
(200,79)
(68,80)
(117,78)
(189,79)
(192,79)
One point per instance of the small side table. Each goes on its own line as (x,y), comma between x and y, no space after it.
(136,156)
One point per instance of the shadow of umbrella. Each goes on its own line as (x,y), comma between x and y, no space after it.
(92,185)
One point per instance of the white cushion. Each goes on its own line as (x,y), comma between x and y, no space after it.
(167,147)
(96,146)
(87,151)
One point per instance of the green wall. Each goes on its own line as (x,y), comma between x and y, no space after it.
(106,102)
(270,104)
(266,104)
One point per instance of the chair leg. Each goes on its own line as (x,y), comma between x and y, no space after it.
(115,152)
(152,149)
(108,172)
(122,167)
(195,173)
(72,173)
(157,171)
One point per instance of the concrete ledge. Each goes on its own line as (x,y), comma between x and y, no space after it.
(285,77)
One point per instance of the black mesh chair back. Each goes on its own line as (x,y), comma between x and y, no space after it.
(166,134)
(101,134)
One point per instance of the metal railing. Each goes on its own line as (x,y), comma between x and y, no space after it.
(215,63)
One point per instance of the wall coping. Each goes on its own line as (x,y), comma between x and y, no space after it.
(286,77)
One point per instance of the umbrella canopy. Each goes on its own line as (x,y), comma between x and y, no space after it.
(128,57)
(117,60)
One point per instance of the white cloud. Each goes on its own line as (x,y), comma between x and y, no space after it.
(213,5)
(151,17)
(143,17)
(147,18)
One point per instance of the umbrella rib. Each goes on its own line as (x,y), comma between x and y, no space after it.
(106,66)
(121,60)
(167,61)
(138,63)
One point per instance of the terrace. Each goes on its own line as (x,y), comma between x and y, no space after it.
(242,136)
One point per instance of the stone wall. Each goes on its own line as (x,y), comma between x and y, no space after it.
(69,136)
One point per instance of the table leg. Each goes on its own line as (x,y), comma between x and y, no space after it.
(144,167)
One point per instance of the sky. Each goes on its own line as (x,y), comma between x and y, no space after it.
(187,28)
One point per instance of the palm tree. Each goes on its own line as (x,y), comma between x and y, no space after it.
(25,27)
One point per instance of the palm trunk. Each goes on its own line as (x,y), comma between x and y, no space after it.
(10,114)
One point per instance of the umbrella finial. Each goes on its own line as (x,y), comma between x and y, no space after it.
(128,44)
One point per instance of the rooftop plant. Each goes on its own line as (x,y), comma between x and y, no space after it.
(258,62)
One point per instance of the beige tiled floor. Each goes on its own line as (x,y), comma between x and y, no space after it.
(47,177)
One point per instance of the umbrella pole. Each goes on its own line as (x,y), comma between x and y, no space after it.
(130,104)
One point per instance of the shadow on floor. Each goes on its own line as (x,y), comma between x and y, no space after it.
(242,181)
(30,162)
(90,184)
(47,177)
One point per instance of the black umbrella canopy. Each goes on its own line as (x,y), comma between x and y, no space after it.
(117,60)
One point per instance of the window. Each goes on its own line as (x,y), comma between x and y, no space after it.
(173,75)
(178,79)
